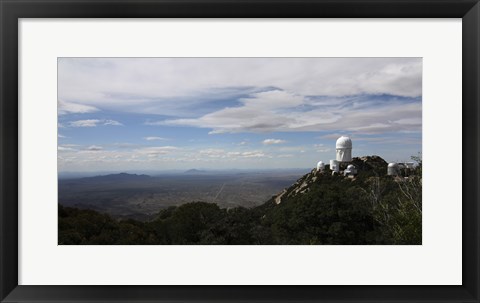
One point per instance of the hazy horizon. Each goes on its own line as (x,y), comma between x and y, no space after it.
(164,114)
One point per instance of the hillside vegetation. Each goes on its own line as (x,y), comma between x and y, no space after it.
(319,208)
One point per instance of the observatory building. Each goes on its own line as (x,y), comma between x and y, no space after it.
(343,164)
(320,166)
(343,156)
(350,171)
(334,166)
(344,149)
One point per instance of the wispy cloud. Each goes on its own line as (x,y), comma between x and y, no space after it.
(112,122)
(221,153)
(157,150)
(94,148)
(273,141)
(64,148)
(213,152)
(70,107)
(84,123)
(300,114)
(253,154)
(154,138)
(93,123)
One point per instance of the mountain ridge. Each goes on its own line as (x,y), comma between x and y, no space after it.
(319,208)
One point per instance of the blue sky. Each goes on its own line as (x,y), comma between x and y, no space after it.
(135,114)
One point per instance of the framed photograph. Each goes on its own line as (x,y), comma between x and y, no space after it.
(239,151)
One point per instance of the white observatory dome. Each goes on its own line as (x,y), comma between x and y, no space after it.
(344,149)
(351,166)
(320,165)
(344,142)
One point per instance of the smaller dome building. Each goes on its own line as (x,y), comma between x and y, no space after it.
(320,166)
(334,166)
(350,171)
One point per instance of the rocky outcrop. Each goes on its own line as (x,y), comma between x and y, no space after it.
(301,186)
(367,165)
(370,163)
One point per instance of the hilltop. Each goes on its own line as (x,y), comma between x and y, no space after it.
(367,166)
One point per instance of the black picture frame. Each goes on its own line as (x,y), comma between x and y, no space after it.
(12,10)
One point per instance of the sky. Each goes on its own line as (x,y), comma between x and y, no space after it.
(158,114)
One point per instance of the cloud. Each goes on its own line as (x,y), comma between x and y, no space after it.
(257,114)
(221,153)
(157,150)
(93,123)
(70,107)
(112,122)
(273,141)
(358,114)
(94,148)
(253,154)
(213,152)
(154,138)
(86,84)
(153,123)
(64,148)
(84,123)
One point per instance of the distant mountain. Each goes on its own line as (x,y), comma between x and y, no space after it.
(118,177)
